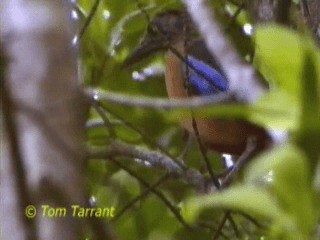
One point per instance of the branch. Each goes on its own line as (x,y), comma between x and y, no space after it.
(241,75)
(153,158)
(158,103)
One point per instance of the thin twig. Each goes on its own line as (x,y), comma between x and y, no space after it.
(147,139)
(212,228)
(234,16)
(100,72)
(98,107)
(219,230)
(187,84)
(233,224)
(250,218)
(100,228)
(251,146)
(141,196)
(159,194)
(89,18)
(187,63)
(242,160)
(143,10)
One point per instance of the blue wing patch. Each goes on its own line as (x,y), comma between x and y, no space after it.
(205,80)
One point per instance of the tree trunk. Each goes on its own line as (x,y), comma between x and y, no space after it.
(43,121)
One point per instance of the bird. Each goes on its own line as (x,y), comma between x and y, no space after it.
(166,33)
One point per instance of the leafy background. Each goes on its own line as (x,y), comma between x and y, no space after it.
(279,189)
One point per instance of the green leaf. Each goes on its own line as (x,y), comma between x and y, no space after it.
(308,135)
(279,57)
(249,199)
(286,171)
(310,90)
(276,109)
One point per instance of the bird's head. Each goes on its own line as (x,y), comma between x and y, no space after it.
(165,29)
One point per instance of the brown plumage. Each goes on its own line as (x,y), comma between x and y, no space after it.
(223,135)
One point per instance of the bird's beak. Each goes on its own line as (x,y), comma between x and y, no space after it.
(149,45)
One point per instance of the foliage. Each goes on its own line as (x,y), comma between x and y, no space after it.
(278,188)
